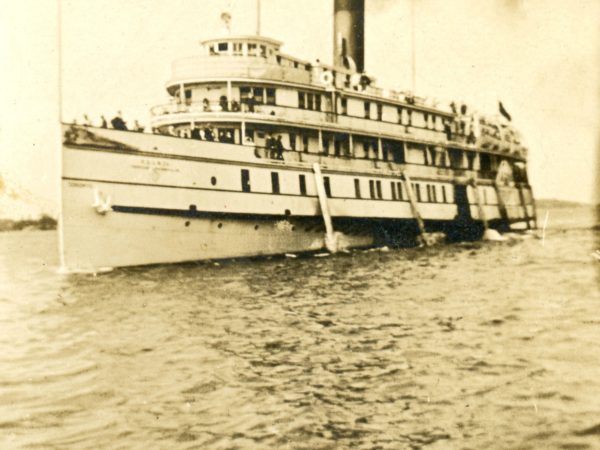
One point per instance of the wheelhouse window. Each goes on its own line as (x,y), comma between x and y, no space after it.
(270,96)
(223,47)
(237,48)
(251,49)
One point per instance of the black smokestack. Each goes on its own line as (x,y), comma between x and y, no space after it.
(349,34)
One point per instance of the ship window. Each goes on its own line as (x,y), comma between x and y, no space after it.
(293,141)
(357,188)
(393,186)
(444,194)
(400,191)
(378,186)
(245,180)
(343,106)
(318,102)
(278,57)
(244,93)
(263,51)
(270,96)
(325,142)
(310,101)
(302,180)
(417,189)
(399,114)
(211,50)
(429,196)
(223,46)
(252,49)
(379,111)
(372,188)
(305,142)
(237,48)
(327,186)
(213,180)
(301,101)
(188,96)
(275,182)
(426,120)
(409,117)
(295,64)
(368,110)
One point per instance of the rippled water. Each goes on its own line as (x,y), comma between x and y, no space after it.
(479,345)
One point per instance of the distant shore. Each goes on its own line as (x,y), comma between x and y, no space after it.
(45,222)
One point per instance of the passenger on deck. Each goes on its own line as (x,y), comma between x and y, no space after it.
(447,129)
(279,147)
(208,135)
(103,122)
(250,101)
(235,106)
(118,123)
(86,121)
(223,103)
(195,133)
(205,105)
(138,126)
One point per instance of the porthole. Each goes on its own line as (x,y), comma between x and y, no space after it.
(256,227)
(288,212)
(213,180)
(293,228)
(220,225)
(187,223)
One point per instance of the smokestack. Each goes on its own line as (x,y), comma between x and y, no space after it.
(349,34)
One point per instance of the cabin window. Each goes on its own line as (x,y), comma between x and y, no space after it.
(379,111)
(378,186)
(275,182)
(211,50)
(302,180)
(245,180)
(393,187)
(367,110)
(223,46)
(426,120)
(252,49)
(270,96)
(372,188)
(327,186)
(429,196)
(263,51)
(301,101)
(318,102)
(434,192)
(357,188)
(417,189)
(444,194)
(188,96)
(343,106)
(455,158)
(409,117)
(278,57)
(400,191)
(399,114)
(305,142)
(293,141)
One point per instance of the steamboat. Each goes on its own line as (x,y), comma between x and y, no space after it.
(262,153)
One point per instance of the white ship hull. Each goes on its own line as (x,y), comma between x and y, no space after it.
(135,199)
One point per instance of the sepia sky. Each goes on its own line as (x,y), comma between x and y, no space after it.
(540,57)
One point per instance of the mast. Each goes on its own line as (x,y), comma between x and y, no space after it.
(413,54)
(349,34)
(258,17)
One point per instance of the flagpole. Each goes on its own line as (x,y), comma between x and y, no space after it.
(61,251)
(413,48)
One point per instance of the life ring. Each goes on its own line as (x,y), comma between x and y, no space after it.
(327,78)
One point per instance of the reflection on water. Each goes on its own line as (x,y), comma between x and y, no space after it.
(479,345)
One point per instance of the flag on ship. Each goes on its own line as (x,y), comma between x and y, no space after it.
(503,111)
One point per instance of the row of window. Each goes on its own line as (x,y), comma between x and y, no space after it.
(308,100)
(257,94)
(375,188)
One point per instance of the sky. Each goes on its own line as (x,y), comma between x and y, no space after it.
(541,58)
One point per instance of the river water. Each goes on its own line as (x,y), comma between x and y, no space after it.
(472,345)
